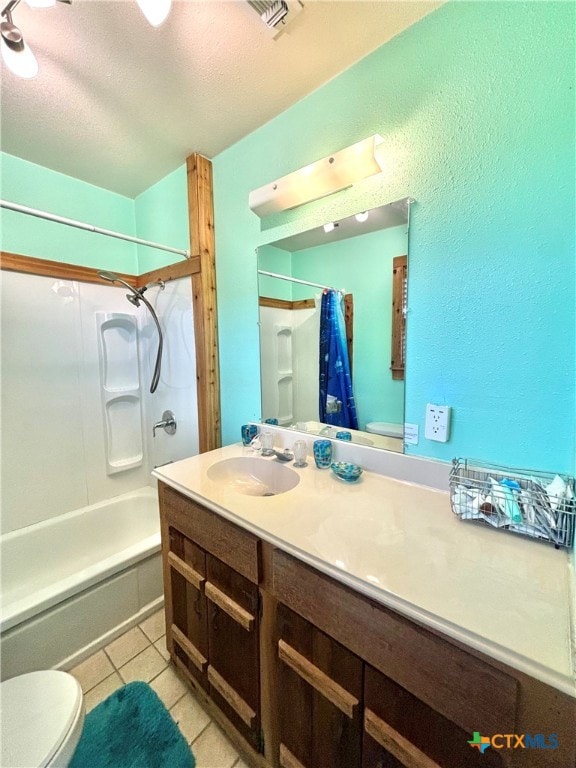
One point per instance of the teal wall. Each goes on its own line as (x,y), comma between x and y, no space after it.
(37,187)
(159,214)
(271,259)
(476,107)
(162,217)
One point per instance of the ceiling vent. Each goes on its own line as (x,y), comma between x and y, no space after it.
(276,14)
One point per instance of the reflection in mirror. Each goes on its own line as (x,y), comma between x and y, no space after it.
(361,264)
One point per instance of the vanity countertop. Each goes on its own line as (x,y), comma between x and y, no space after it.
(400,544)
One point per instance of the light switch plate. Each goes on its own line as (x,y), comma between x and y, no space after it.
(437,426)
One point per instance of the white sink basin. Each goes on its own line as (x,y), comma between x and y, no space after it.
(254,477)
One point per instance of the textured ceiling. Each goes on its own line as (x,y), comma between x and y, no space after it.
(120,104)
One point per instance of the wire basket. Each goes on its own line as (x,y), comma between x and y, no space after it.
(540,505)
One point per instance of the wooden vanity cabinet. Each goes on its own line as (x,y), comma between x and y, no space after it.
(319,712)
(233,670)
(211,573)
(400,731)
(425,695)
(344,681)
(188,625)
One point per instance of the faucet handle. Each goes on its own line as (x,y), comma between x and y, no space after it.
(168,424)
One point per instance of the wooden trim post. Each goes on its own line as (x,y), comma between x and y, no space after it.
(201,220)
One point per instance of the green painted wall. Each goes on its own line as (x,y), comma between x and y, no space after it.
(476,107)
(162,217)
(159,214)
(37,187)
(271,259)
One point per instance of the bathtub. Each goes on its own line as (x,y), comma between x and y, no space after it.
(72,583)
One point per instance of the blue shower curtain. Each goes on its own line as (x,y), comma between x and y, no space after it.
(337,406)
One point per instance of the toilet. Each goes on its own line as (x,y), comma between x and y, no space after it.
(42,715)
(385,428)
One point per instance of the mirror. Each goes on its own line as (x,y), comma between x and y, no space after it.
(365,257)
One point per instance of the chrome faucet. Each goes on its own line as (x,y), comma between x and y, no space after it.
(168,424)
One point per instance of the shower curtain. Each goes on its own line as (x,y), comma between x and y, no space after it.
(337,406)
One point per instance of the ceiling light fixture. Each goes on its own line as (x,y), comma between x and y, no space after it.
(156,11)
(16,54)
(324,177)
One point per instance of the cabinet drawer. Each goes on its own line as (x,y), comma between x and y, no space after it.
(459,686)
(234,546)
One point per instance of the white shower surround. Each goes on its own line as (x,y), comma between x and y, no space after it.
(54,466)
(53,427)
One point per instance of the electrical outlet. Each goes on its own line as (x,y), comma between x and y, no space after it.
(437,425)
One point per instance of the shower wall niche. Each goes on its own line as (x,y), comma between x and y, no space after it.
(121,390)
(289,364)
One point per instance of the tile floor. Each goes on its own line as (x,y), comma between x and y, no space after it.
(140,654)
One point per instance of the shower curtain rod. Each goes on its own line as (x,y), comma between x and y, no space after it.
(89,227)
(297,280)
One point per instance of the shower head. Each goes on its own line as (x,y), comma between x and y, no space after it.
(108,276)
(134,297)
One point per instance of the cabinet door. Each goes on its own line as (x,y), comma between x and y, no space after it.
(320,686)
(401,731)
(188,632)
(234,669)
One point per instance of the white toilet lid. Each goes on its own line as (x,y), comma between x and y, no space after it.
(37,712)
(385,428)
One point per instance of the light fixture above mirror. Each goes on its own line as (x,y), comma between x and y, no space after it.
(319,179)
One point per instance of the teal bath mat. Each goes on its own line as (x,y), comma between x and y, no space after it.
(131,729)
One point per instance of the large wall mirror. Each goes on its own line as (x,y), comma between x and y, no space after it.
(361,262)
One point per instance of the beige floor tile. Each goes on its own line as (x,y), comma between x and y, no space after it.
(93,670)
(145,666)
(102,691)
(190,717)
(127,646)
(160,646)
(241,764)
(213,750)
(169,687)
(154,626)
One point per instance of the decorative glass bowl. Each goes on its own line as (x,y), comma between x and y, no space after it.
(346,471)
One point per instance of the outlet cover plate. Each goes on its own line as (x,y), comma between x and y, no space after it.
(437,426)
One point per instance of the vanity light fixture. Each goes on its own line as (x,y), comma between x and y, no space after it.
(361,217)
(330,226)
(319,179)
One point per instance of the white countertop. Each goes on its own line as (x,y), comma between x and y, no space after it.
(401,545)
